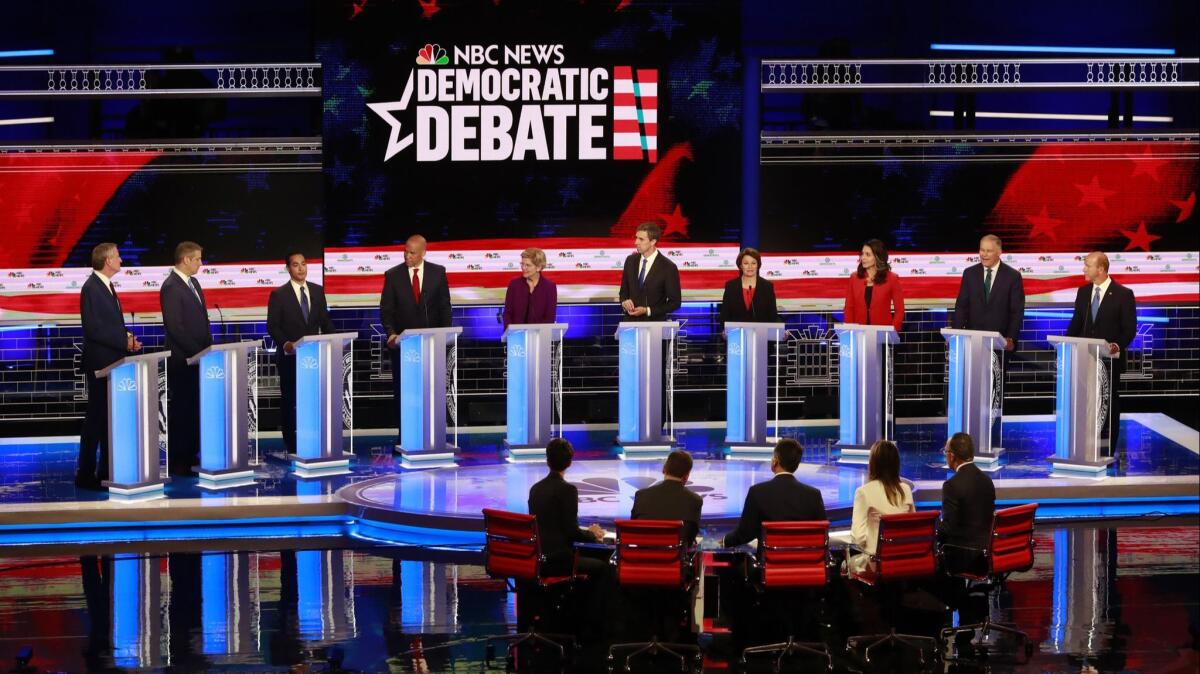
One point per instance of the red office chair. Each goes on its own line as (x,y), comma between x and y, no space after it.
(1010,550)
(905,550)
(792,556)
(650,555)
(513,552)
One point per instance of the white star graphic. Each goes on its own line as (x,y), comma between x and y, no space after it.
(396,144)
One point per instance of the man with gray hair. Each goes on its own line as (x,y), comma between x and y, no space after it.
(1105,309)
(991,296)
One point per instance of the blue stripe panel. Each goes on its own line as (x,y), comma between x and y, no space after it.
(122,397)
(214,427)
(518,387)
(848,397)
(628,387)
(214,602)
(1062,399)
(412,399)
(1059,599)
(308,400)
(735,393)
(126,616)
(1052,49)
(955,390)
(310,590)
(24,53)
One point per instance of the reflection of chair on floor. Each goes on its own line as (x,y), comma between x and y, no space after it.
(793,559)
(651,556)
(906,550)
(513,552)
(1010,550)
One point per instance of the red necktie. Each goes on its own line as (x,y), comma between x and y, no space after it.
(416,287)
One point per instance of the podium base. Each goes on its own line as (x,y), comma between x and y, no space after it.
(135,489)
(225,478)
(319,467)
(642,451)
(750,451)
(415,459)
(854,454)
(1079,468)
(524,453)
(989,457)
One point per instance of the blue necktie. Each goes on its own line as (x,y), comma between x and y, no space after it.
(642,274)
(1095,303)
(195,286)
(304,304)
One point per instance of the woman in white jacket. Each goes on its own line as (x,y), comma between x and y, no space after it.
(884,494)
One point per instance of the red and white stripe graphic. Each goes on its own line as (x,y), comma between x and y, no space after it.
(635,114)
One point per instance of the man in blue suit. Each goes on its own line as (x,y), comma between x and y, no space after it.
(185,320)
(105,341)
(991,295)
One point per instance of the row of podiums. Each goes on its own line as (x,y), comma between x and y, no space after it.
(324,398)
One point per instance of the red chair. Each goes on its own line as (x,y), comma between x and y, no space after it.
(1010,551)
(513,552)
(792,556)
(905,550)
(651,556)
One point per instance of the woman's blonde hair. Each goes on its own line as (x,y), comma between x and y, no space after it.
(536,255)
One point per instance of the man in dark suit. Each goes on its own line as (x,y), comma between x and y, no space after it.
(415,295)
(650,281)
(555,504)
(294,310)
(670,499)
(185,320)
(105,341)
(783,498)
(1105,309)
(991,295)
(968,506)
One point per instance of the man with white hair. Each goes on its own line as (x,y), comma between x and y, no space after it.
(991,296)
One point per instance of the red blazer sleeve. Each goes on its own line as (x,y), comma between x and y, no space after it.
(854,298)
(897,300)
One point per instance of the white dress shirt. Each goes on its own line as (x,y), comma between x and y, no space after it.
(649,264)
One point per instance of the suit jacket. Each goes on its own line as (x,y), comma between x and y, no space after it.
(763,308)
(184,319)
(522,306)
(669,500)
(555,504)
(783,498)
(285,322)
(659,291)
(105,337)
(887,302)
(1004,308)
(398,311)
(1116,321)
(968,507)
(870,502)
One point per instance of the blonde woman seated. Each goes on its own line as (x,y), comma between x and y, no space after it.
(884,494)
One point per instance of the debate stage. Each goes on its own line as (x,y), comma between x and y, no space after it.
(378,500)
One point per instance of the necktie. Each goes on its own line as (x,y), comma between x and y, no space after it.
(416,287)
(987,284)
(642,274)
(304,304)
(113,289)
(195,286)
(1095,303)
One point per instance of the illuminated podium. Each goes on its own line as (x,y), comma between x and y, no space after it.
(133,438)
(423,395)
(1083,403)
(865,381)
(640,390)
(226,373)
(323,403)
(975,395)
(528,349)
(746,386)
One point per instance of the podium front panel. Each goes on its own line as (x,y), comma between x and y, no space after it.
(848,397)
(630,386)
(217,430)
(518,351)
(128,424)
(314,407)
(739,348)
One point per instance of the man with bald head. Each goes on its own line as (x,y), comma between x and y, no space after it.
(991,296)
(1105,309)
(415,295)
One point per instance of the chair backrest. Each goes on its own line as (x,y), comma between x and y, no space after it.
(512,549)
(650,553)
(794,554)
(1012,539)
(907,546)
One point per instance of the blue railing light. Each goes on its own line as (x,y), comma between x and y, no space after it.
(1066,316)
(1052,49)
(24,53)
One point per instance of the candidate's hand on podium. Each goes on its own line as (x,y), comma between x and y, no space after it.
(289,347)
(1114,349)
(392,339)
(132,344)
(627,306)
(1009,344)
(596,532)
(639,311)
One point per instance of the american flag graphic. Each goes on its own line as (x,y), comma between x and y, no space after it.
(635,114)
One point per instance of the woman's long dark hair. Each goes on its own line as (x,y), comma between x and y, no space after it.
(885,466)
(881,264)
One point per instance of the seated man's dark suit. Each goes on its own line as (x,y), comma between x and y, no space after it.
(286,323)
(783,498)
(1002,310)
(555,504)
(968,507)
(185,322)
(669,500)
(1116,322)
(105,341)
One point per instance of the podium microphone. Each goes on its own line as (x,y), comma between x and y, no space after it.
(221,314)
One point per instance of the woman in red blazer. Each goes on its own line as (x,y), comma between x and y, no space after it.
(874,295)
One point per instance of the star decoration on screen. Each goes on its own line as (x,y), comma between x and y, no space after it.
(1043,224)
(1093,193)
(674,222)
(1140,238)
(1186,207)
(396,144)
(1146,164)
(429,8)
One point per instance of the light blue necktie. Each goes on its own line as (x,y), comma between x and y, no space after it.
(642,274)
(1095,303)
(304,303)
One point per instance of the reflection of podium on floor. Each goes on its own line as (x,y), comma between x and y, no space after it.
(640,388)
(528,349)
(746,387)
(226,375)
(865,413)
(324,404)
(975,389)
(134,465)
(423,396)
(1083,403)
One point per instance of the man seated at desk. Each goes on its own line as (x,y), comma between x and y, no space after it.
(783,498)
(671,499)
